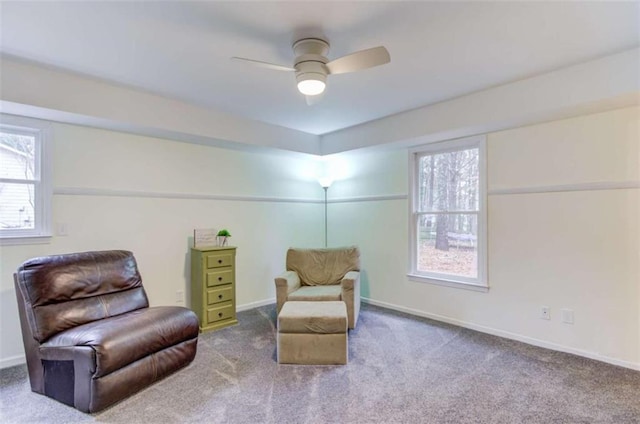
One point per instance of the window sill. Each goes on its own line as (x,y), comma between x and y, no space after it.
(24,240)
(449,283)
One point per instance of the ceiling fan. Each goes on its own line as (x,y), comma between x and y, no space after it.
(312,66)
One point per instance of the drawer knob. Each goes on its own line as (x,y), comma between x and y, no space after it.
(219,314)
(219,261)
(219,278)
(219,296)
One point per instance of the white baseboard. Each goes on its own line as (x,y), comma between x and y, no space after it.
(20,359)
(254,305)
(506,334)
(12,361)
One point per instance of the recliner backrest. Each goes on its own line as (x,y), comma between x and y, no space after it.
(65,291)
(317,267)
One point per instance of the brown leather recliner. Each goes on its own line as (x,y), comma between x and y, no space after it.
(89,335)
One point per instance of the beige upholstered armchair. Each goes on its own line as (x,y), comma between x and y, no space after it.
(321,275)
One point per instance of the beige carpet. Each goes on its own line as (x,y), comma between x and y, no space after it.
(402,369)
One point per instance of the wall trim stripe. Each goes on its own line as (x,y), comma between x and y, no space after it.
(591,186)
(80,191)
(83,191)
(375,198)
(505,334)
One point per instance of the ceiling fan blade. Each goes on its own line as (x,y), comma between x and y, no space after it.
(312,100)
(359,60)
(263,64)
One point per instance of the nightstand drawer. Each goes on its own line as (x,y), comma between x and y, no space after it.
(220,313)
(218,295)
(219,277)
(219,260)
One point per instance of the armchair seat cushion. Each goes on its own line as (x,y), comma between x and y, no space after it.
(317,293)
(124,339)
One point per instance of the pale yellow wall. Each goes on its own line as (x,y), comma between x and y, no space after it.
(602,147)
(576,249)
(157,230)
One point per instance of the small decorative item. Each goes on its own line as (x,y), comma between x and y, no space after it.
(223,235)
(204,237)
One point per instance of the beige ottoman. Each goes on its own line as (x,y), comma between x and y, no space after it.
(312,333)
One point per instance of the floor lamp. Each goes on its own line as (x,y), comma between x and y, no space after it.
(325,183)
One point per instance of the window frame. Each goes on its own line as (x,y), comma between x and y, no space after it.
(450,280)
(41,130)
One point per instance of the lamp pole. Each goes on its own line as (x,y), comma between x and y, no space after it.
(325,183)
(325,215)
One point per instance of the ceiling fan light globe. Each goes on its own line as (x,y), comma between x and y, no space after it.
(311,87)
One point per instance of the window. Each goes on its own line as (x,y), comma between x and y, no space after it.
(25,187)
(448,218)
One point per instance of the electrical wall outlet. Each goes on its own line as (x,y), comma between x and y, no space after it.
(567,316)
(545,312)
(180,296)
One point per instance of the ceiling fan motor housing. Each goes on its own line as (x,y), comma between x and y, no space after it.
(314,46)
(310,59)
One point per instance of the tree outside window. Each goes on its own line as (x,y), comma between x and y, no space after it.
(447,209)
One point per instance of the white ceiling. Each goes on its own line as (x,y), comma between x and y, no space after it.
(439,50)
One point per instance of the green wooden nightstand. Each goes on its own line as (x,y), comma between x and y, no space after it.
(213,286)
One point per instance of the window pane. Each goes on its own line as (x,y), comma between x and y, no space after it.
(17,156)
(16,206)
(449,181)
(448,244)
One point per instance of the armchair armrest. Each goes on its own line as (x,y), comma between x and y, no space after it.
(288,280)
(351,296)
(286,283)
(350,280)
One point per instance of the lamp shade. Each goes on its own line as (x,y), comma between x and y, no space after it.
(325,182)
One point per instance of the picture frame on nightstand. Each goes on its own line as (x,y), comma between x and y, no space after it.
(204,237)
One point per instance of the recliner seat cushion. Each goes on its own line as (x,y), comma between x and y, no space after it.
(123,339)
